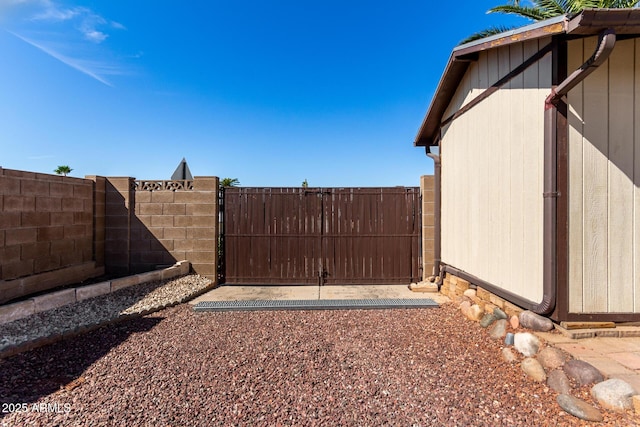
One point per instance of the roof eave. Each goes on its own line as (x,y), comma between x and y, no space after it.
(459,62)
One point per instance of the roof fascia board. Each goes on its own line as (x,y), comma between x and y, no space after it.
(459,61)
(548,27)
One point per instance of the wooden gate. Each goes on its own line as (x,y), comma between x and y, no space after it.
(321,235)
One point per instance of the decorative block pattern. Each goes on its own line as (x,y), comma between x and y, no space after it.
(151,224)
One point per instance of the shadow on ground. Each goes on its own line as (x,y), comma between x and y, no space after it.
(29,376)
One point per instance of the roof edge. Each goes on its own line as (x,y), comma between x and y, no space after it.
(459,62)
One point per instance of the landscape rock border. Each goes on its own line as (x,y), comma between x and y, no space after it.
(543,363)
(71,320)
(52,300)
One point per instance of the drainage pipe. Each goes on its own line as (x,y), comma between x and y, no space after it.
(436,215)
(606,43)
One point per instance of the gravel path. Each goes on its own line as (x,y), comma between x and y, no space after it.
(134,300)
(417,367)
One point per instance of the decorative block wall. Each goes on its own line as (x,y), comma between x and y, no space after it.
(149,224)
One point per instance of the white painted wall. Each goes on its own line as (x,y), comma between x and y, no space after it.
(492,173)
(604,182)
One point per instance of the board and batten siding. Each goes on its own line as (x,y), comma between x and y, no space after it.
(604,181)
(492,172)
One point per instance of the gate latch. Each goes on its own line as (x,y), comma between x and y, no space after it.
(322,276)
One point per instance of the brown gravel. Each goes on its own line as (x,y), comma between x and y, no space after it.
(417,367)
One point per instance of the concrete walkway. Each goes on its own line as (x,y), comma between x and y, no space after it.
(614,357)
(256,293)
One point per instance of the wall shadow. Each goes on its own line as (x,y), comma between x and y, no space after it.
(32,375)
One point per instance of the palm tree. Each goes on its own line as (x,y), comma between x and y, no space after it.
(63,170)
(539,10)
(229,182)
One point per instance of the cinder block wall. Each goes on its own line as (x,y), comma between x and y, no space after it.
(46,232)
(155,223)
(427,189)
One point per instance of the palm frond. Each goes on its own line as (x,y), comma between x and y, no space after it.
(533,13)
(618,4)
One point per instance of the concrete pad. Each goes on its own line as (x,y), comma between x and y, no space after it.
(54,300)
(90,291)
(15,311)
(552,338)
(628,359)
(633,380)
(256,293)
(605,345)
(578,351)
(297,292)
(609,368)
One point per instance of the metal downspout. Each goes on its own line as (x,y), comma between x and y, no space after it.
(436,216)
(606,43)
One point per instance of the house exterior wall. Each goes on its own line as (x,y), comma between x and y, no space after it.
(492,172)
(604,181)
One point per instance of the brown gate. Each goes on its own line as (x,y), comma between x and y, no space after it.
(321,235)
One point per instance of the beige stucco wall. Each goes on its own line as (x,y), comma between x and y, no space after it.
(492,170)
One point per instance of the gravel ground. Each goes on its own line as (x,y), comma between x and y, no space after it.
(416,367)
(142,298)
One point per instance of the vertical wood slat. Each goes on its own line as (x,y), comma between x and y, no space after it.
(620,233)
(576,129)
(595,168)
(636,186)
(532,166)
(518,168)
(369,235)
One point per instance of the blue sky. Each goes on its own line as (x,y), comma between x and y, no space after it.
(271,93)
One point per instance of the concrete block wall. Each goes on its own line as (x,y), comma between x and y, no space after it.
(454,288)
(427,190)
(155,223)
(46,232)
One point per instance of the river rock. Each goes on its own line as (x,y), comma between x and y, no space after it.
(526,343)
(464,307)
(470,293)
(475,313)
(530,320)
(499,329)
(499,313)
(514,322)
(508,339)
(534,369)
(614,394)
(487,320)
(551,358)
(578,408)
(558,381)
(508,356)
(583,372)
